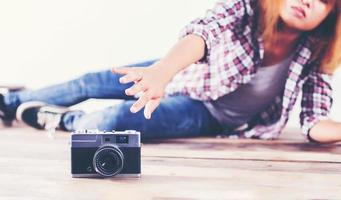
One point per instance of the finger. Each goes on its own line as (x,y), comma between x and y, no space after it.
(132,77)
(136,88)
(150,107)
(121,70)
(140,103)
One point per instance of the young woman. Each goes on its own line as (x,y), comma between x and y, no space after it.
(237,71)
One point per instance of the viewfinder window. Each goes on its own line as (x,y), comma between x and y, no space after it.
(122,139)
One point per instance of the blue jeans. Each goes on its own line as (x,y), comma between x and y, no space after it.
(177,116)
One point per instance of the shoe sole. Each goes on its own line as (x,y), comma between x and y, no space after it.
(25,106)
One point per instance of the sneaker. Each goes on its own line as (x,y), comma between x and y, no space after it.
(5,116)
(41,115)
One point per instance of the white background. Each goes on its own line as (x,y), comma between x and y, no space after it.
(44,42)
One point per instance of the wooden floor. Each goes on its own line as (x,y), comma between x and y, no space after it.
(34,166)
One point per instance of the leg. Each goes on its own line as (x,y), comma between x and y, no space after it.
(101,85)
(177,116)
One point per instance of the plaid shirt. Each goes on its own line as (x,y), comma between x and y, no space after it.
(233,54)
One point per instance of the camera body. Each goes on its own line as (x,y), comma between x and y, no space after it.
(105,154)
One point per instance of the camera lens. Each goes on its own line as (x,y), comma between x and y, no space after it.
(108,161)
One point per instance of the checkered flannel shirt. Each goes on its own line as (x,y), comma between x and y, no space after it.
(233,54)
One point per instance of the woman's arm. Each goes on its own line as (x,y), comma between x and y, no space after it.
(316,104)
(187,51)
(196,44)
(326,131)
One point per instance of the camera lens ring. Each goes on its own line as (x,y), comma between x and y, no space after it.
(109,154)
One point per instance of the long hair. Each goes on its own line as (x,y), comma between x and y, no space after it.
(326,38)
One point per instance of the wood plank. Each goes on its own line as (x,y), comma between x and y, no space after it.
(167,179)
(32,164)
(11,88)
(279,150)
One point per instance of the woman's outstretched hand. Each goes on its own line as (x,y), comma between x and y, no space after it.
(150,83)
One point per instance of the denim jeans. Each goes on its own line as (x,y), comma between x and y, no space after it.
(176,116)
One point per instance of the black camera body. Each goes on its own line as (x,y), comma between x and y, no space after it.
(105,154)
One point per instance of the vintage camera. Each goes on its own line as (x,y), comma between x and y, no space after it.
(105,154)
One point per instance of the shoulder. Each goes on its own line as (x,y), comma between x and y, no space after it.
(236,7)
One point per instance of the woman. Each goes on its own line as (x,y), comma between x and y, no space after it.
(237,71)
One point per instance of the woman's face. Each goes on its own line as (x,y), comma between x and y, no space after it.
(305,15)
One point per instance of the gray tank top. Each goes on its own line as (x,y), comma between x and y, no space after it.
(237,108)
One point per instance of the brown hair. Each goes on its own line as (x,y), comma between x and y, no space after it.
(326,38)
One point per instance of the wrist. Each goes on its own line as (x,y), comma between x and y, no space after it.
(168,71)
